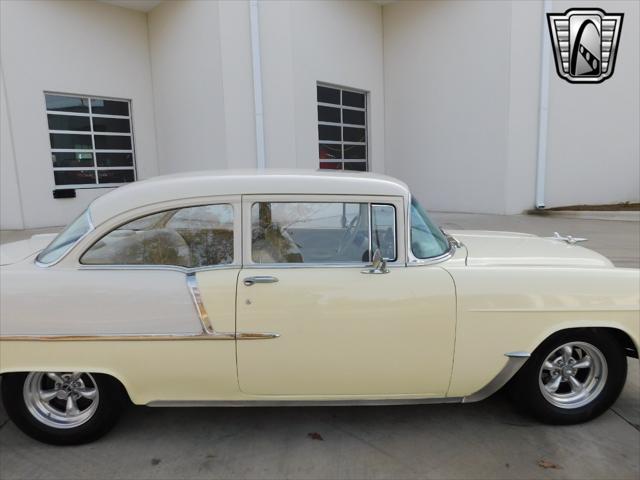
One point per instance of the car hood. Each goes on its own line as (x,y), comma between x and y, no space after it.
(485,248)
(15,251)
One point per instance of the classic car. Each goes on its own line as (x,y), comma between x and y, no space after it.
(300,288)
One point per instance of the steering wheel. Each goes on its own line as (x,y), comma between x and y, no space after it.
(349,235)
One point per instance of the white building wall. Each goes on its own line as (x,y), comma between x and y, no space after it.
(524,105)
(87,48)
(463,108)
(304,43)
(338,43)
(10,201)
(453,95)
(186,66)
(594,130)
(237,84)
(446,76)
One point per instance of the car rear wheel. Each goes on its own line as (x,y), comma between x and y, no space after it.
(62,408)
(572,377)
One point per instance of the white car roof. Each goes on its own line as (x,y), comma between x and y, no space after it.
(241,182)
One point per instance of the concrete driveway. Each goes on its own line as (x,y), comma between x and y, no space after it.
(490,439)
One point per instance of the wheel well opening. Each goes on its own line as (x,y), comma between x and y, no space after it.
(624,340)
(621,337)
(114,380)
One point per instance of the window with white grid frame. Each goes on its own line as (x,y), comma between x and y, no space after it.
(91,140)
(342,128)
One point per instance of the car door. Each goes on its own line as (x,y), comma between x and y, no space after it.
(169,273)
(342,332)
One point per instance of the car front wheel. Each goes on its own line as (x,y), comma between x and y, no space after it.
(62,408)
(572,377)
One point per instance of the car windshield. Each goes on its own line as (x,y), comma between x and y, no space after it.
(427,240)
(63,242)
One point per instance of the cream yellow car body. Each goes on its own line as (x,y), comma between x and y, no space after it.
(454,328)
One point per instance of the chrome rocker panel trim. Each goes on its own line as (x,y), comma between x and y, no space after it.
(302,403)
(515,361)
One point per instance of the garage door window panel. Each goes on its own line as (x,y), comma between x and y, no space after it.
(91,141)
(342,128)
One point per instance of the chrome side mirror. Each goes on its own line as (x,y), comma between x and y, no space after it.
(378,264)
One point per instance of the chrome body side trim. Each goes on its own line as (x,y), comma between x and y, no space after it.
(137,337)
(517,354)
(108,338)
(515,361)
(194,290)
(302,403)
(256,335)
(208,328)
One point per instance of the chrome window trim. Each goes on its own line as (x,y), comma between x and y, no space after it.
(370,226)
(236,224)
(169,268)
(70,247)
(229,266)
(315,265)
(395,229)
(396,202)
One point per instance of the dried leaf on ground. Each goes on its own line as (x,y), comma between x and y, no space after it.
(547,464)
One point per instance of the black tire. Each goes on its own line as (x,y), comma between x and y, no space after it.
(112,399)
(525,389)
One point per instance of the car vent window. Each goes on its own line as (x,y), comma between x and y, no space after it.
(383,230)
(427,240)
(188,237)
(310,232)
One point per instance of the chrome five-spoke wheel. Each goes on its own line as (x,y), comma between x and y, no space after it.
(61,400)
(63,408)
(573,375)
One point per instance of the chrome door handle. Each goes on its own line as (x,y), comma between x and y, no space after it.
(259,279)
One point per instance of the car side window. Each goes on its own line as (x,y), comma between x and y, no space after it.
(309,232)
(320,232)
(185,237)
